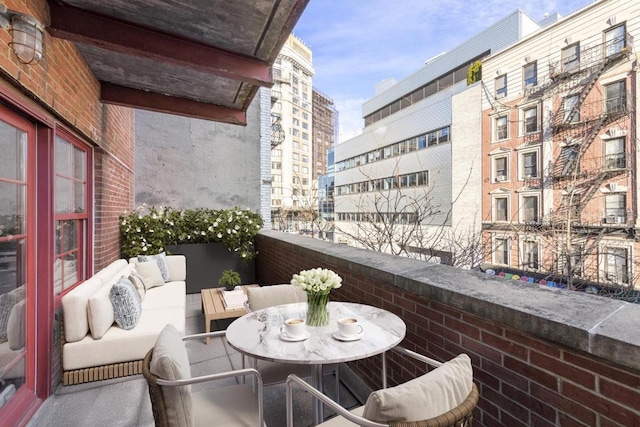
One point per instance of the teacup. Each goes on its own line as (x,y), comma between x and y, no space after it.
(294,327)
(349,326)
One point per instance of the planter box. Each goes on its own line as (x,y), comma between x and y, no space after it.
(207,261)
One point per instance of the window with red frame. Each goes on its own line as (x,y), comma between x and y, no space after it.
(71,214)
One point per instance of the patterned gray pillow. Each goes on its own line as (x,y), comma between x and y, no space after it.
(127,306)
(161,260)
(7,301)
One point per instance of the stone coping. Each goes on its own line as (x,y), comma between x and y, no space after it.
(600,326)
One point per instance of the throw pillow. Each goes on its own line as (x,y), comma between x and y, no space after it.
(161,260)
(150,274)
(127,306)
(428,396)
(100,312)
(16,326)
(170,362)
(138,283)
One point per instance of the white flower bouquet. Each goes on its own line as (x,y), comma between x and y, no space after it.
(317,283)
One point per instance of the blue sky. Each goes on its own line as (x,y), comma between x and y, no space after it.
(357,43)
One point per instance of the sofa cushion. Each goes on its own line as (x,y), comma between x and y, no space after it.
(138,283)
(111,271)
(171,295)
(16,326)
(74,306)
(428,396)
(100,312)
(177,267)
(161,260)
(127,306)
(170,362)
(118,345)
(150,273)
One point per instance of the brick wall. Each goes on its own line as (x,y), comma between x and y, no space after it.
(523,380)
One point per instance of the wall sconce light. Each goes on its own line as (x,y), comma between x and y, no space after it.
(26,35)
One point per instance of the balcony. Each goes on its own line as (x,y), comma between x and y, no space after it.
(541,356)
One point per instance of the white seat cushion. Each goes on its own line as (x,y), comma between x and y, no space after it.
(170,295)
(428,396)
(341,421)
(100,312)
(74,307)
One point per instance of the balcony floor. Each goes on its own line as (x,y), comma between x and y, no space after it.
(125,402)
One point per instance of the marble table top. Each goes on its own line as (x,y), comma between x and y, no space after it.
(257,334)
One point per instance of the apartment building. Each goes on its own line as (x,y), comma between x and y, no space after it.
(409,183)
(292,155)
(325,131)
(560,195)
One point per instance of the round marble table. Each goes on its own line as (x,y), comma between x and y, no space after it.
(257,334)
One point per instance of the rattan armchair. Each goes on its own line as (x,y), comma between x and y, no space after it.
(459,414)
(228,405)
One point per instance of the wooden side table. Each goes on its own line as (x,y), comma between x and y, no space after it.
(213,307)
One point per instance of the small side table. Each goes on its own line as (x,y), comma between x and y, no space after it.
(213,307)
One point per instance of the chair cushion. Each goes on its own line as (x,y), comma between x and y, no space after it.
(150,274)
(127,306)
(170,362)
(161,260)
(228,406)
(428,396)
(268,296)
(100,312)
(341,421)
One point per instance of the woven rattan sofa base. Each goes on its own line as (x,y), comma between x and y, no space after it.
(104,372)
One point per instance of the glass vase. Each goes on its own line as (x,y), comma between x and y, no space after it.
(317,309)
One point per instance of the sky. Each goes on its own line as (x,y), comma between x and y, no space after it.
(356,44)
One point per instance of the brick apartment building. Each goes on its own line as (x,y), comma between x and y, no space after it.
(560,195)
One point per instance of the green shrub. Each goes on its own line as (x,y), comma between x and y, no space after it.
(148,230)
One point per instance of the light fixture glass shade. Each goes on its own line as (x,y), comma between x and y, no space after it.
(26,40)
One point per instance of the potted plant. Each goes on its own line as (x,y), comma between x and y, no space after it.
(230,279)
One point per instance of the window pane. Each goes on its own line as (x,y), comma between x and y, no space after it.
(531,74)
(12,209)
(13,152)
(571,58)
(614,40)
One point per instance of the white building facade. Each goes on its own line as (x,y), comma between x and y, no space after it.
(412,177)
(291,159)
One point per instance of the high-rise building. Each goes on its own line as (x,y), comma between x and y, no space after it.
(291,158)
(325,126)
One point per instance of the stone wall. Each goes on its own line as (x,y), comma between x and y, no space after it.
(541,356)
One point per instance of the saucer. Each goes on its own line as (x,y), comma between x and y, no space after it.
(337,335)
(285,337)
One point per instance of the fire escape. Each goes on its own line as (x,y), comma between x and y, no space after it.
(576,124)
(277,132)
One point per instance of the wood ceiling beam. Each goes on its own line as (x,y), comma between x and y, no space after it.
(133,98)
(82,26)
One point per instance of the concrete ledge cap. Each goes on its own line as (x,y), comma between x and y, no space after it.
(596,325)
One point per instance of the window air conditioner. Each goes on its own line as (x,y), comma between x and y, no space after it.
(620,220)
(610,219)
(501,178)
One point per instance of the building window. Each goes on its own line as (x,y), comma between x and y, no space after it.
(501,128)
(276,178)
(501,251)
(616,264)
(529,210)
(296,168)
(530,73)
(614,40)
(614,155)
(501,86)
(571,110)
(500,209)
(615,97)
(305,159)
(529,162)
(530,116)
(500,169)
(71,214)
(570,163)
(276,153)
(571,58)
(530,255)
(295,156)
(276,165)
(305,170)
(615,208)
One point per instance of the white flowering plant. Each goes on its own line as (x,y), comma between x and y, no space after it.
(317,283)
(150,229)
(316,280)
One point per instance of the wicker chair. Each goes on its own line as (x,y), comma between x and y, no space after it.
(460,415)
(174,404)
